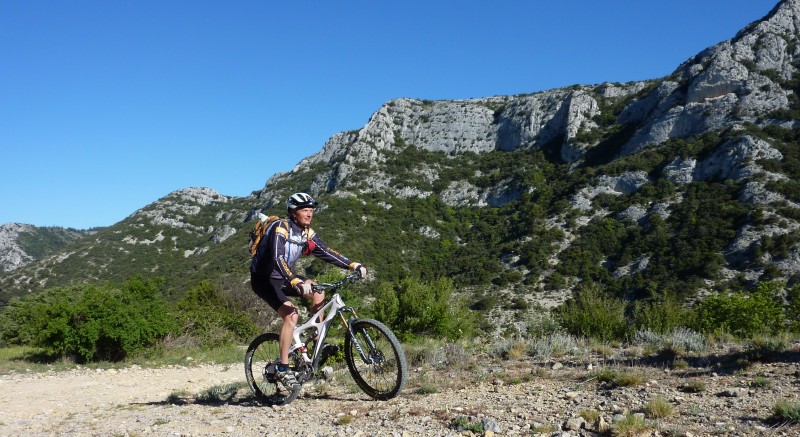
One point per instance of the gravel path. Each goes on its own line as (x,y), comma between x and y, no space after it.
(519,398)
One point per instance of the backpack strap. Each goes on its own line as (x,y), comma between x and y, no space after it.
(282,228)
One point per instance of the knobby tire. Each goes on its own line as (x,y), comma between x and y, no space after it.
(386,374)
(264,350)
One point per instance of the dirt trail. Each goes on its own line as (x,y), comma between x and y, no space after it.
(61,394)
(522,398)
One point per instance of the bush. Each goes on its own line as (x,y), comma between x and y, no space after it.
(793,308)
(662,316)
(555,345)
(630,425)
(89,322)
(415,307)
(540,322)
(207,315)
(593,314)
(766,348)
(386,307)
(726,313)
(678,341)
(614,378)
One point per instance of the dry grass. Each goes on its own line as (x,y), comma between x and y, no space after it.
(658,408)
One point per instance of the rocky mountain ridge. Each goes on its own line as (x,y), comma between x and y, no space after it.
(742,92)
(737,81)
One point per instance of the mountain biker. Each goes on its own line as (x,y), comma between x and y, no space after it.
(272,277)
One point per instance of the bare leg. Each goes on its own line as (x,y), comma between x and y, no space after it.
(288,313)
(317,299)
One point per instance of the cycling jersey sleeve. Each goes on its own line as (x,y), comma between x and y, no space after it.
(325,253)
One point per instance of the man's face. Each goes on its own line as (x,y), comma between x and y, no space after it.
(303,216)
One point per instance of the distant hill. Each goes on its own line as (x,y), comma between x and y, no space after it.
(683,184)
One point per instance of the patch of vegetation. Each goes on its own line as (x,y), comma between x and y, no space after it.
(466,423)
(593,313)
(220,394)
(616,378)
(42,241)
(89,322)
(658,408)
(344,420)
(414,308)
(426,389)
(694,386)
(786,412)
(631,425)
(723,312)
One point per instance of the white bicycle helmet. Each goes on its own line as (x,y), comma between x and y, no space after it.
(300,200)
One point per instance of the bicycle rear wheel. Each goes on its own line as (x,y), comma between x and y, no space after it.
(383,371)
(260,362)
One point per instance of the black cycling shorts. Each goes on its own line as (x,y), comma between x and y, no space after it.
(274,291)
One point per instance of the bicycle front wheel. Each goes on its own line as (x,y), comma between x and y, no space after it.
(260,363)
(382,370)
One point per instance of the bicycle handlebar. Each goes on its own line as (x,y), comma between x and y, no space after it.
(319,288)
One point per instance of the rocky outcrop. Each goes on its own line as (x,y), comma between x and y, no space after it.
(737,159)
(11,255)
(626,183)
(21,244)
(172,210)
(739,80)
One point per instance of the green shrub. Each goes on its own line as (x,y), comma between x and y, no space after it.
(694,386)
(760,312)
(416,307)
(678,341)
(90,322)
(793,308)
(593,314)
(386,307)
(662,315)
(766,348)
(207,316)
(541,323)
(554,345)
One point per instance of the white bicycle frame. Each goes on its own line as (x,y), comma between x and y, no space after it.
(333,306)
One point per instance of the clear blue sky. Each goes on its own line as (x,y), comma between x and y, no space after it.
(106,106)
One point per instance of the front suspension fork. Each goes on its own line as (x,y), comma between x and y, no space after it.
(364,357)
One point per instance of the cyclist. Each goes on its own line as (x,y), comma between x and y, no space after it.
(272,277)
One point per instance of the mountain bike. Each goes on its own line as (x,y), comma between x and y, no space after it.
(373,354)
